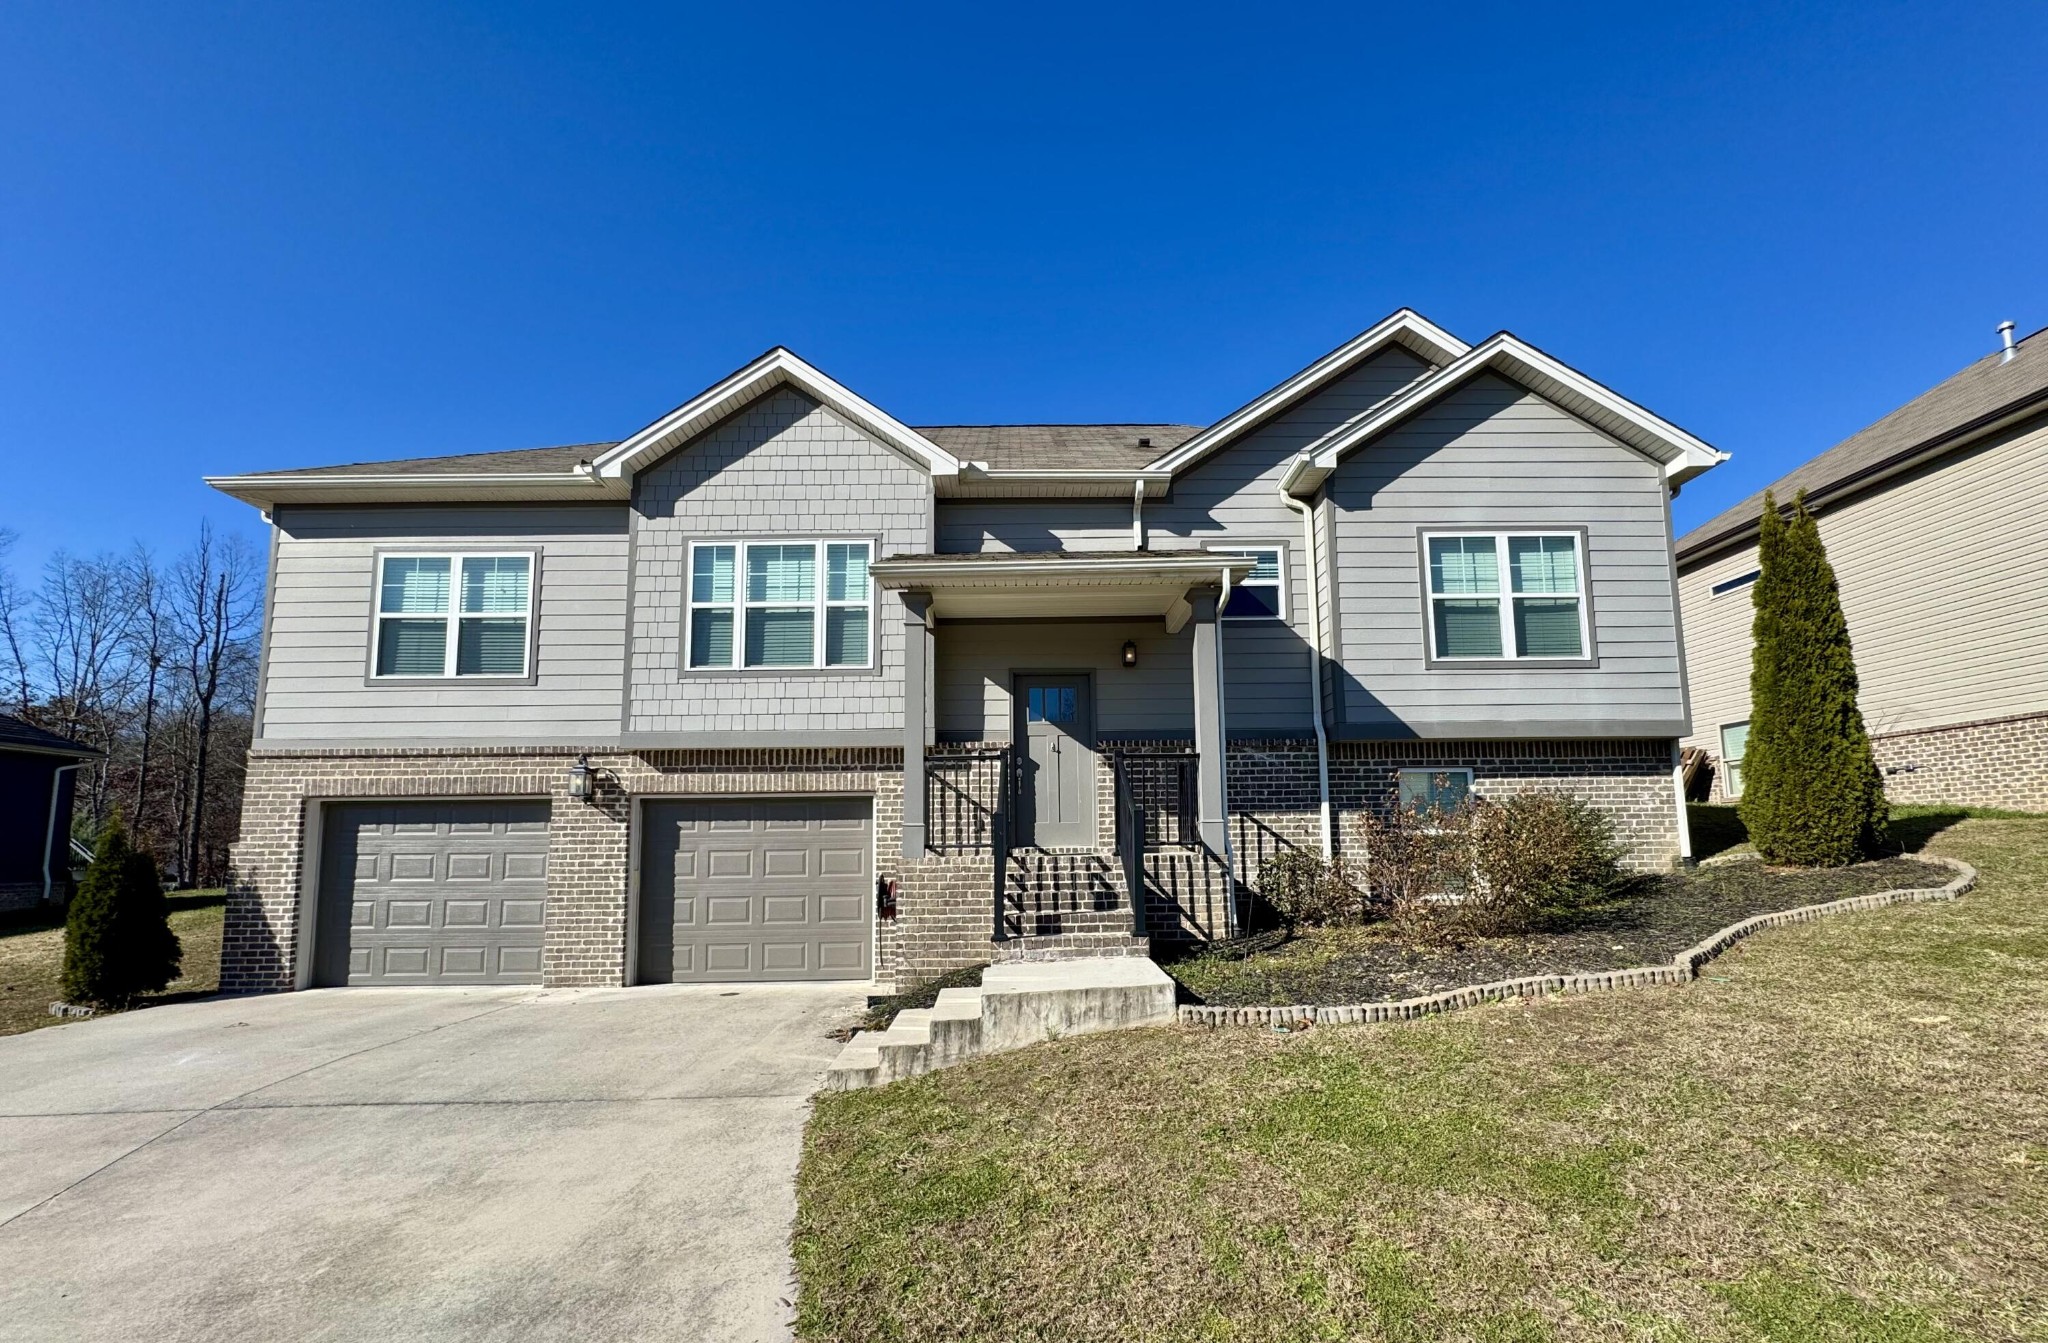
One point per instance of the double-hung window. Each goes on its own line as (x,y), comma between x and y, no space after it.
(1516,596)
(780,604)
(1734,746)
(1262,593)
(453,615)
(1434,790)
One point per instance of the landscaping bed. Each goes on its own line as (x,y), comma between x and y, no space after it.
(1648,922)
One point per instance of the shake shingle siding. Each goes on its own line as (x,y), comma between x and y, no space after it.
(316,687)
(1492,455)
(783,468)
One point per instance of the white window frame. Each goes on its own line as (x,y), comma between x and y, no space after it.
(1279,585)
(821,604)
(1506,596)
(452,616)
(1741,582)
(1731,767)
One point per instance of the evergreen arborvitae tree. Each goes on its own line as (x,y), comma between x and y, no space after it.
(1811,792)
(118,942)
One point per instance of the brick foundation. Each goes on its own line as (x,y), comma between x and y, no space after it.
(2000,762)
(19,895)
(945,903)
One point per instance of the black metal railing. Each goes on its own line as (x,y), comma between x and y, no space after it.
(1156,797)
(966,800)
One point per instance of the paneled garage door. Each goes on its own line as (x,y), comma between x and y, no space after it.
(432,893)
(756,889)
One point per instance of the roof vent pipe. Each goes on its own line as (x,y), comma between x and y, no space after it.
(2005,334)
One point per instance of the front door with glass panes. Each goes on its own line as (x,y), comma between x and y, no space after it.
(1056,761)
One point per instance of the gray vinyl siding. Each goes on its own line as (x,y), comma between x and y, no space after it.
(317,653)
(1494,455)
(784,466)
(1936,572)
(1230,498)
(974,663)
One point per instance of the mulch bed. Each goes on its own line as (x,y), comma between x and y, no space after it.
(1648,922)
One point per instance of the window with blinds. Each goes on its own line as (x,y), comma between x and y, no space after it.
(454,615)
(1260,594)
(764,605)
(1514,596)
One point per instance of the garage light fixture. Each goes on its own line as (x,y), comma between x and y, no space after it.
(580,776)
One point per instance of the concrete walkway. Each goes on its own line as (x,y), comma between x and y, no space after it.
(411,1164)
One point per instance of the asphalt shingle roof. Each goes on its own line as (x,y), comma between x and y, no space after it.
(14,732)
(1937,419)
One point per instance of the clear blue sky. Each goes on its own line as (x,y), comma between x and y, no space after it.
(243,237)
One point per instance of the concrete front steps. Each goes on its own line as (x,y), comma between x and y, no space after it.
(1017,1004)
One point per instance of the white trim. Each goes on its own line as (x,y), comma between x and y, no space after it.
(821,604)
(1195,566)
(453,615)
(1405,327)
(1280,584)
(1505,595)
(1680,454)
(778,367)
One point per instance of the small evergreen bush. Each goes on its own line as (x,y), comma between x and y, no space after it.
(1811,791)
(118,942)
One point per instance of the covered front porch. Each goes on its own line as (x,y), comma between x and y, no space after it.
(1063,732)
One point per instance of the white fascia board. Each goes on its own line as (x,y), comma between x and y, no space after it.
(1407,328)
(264,491)
(1679,453)
(777,367)
(981,573)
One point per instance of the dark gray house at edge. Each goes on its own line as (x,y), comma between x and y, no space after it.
(781,687)
(38,778)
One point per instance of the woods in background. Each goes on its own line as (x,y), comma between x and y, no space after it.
(155,664)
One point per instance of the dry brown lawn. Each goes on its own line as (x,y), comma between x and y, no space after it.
(32,959)
(1840,1133)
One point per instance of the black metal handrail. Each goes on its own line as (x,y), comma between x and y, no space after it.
(1156,790)
(965,800)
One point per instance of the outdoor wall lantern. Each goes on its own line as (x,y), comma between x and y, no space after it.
(580,776)
(1130,652)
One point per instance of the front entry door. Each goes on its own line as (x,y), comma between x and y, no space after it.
(1056,724)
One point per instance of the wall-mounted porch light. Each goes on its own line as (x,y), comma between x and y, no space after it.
(580,776)
(1130,652)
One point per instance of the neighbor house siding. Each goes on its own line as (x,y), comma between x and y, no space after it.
(316,686)
(1492,455)
(784,466)
(1938,573)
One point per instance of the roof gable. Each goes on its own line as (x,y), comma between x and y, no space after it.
(1406,327)
(1681,455)
(777,368)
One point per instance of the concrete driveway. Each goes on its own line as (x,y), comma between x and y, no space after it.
(411,1164)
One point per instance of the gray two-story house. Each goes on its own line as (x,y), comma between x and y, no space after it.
(780,687)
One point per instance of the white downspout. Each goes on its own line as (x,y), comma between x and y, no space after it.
(1138,515)
(1315,665)
(1223,751)
(1678,794)
(50,830)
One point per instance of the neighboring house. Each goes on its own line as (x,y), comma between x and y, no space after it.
(38,774)
(781,687)
(1934,519)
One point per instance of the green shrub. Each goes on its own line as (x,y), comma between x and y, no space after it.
(118,942)
(1308,892)
(1811,792)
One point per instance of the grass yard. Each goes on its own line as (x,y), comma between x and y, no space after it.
(32,959)
(1840,1133)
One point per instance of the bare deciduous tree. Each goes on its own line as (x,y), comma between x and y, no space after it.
(217,596)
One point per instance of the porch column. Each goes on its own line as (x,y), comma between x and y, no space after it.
(916,657)
(1210,764)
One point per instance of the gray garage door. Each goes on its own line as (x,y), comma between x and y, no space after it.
(759,889)
(432,893)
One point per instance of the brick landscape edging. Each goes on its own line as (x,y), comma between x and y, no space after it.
(1682,968)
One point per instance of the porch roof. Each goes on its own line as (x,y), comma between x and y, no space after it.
(1062,582)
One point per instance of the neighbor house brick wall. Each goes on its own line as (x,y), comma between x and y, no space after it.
(18,895)
(2001,762)
(588,857)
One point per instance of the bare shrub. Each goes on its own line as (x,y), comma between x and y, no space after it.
(1307,892)
(1414,864)
(1533,856)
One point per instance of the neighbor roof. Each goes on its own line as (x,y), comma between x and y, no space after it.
(517,460)
(16,735)
(1988,391)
